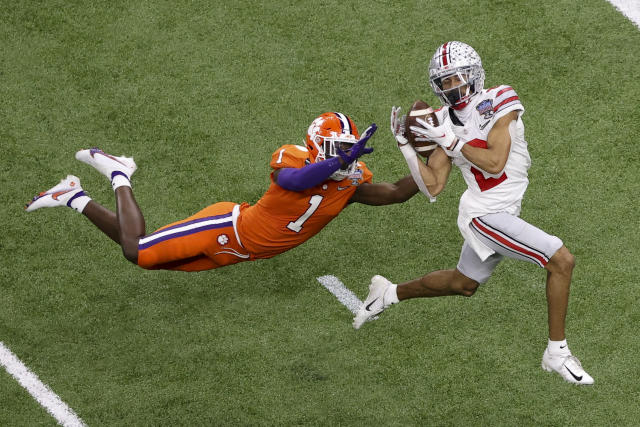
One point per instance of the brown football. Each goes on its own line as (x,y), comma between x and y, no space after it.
(422,110)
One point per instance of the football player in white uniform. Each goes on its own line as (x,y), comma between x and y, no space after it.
(481,132)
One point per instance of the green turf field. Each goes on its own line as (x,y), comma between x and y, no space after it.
(200,94)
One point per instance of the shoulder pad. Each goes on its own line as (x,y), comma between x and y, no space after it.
(504,97)
(289,156)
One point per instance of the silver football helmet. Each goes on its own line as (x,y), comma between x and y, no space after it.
(460,60)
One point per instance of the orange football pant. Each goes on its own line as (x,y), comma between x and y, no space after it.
(203,241)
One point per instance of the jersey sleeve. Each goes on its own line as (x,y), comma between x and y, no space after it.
(506,100)
(289,156)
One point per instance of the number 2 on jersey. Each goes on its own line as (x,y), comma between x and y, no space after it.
(484,183)
(314,202)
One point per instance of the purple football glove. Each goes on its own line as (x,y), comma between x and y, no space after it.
(359,148)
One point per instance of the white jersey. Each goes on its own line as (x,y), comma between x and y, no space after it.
(489,193)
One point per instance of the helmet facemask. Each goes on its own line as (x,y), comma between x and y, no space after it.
(456,94)
(328,148)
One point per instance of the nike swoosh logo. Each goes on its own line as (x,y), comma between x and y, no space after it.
(563,346)
(95,151)
(57,194)
(578,378)
(484,125)
(370,304)
(342,188)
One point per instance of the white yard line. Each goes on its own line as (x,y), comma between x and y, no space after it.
(43,394)
(629,8)
(344,295)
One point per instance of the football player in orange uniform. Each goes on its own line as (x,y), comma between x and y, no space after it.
(310,185)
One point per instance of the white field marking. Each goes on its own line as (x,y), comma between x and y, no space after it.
(629,8)
(344,295)
(43,394)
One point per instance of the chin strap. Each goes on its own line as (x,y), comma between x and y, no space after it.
(412,161)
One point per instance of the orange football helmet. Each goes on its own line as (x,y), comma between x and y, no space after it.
(326,134)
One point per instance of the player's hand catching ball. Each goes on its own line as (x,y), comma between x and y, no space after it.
(442,135)
(397,126)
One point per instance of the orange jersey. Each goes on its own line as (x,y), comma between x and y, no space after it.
(283,219)
(226,233)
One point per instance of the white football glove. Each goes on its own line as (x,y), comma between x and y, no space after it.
(442,135)
(397,126)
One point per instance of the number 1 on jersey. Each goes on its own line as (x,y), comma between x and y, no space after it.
(314,202)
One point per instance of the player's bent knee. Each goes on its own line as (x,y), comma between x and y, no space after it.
(130,250)
(468,291)
(130,256)
(562,261)
(464,285)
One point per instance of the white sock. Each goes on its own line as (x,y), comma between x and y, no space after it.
(119,180)
(558,347)
(79,201)
(391,295)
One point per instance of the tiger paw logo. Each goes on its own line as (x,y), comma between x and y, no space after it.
(223,239)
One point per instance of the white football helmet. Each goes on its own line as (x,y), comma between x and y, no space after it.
(461,60)
(326,134)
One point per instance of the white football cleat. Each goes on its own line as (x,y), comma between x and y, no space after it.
(107,164)
(568,366)
(375,302)
(60,195)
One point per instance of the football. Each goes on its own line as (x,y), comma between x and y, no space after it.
(422,110)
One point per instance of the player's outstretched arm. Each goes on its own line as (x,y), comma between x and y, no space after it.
(385,193)
(299,179)
(308,176)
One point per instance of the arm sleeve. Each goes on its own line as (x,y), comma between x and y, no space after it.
(412,161)
(299,179)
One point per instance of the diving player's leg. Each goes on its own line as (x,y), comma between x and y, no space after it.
(203,241)
(129,219)
(103,218)
(130,222)
(118,170)
(69,193)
